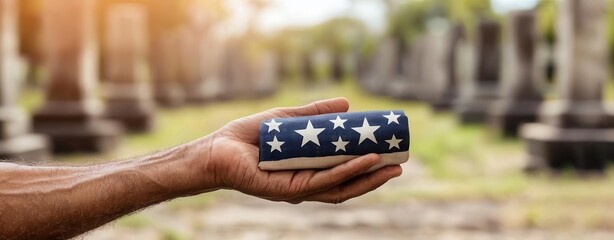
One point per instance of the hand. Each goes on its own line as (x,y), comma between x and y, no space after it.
(234,163)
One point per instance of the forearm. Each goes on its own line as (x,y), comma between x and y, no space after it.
(61,202)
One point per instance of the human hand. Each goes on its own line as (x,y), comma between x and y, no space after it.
(233,161)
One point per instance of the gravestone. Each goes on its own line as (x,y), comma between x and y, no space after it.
(265,74)
(72,113)
(482,87)
(577,130)
(128,91)
(195,36)
(338,69)
(308,68)
(432,67)
(190,64)
(213,62)
(16,141)
(168,90)
(409,85)
(447,90)
(384,67)
(522,86)
(165,53)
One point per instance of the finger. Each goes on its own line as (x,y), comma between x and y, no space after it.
(334,105)
(247,128)
(356,187)
(327,179)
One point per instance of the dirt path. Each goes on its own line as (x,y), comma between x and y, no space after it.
(243,217)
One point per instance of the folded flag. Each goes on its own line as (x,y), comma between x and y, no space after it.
(325,141)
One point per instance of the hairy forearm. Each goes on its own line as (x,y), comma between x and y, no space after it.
(62,202)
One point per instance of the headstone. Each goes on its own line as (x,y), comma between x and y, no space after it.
(447,90)
(308,68)
(168,90)
(190,64)
(482,87)
(165,53)
(410,84)
(212,53)
(338,69)
(71,114)
(128,91)
(578,129)
(432,68)
(265,74)
(16,141)
(384,67)
(235,70)
(195,36)
(522,81)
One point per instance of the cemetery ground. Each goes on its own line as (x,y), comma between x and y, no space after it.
(461,182)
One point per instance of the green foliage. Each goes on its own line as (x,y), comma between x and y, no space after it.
(410,19)
(546,20)
(136,221)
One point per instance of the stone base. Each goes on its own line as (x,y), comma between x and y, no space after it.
(169,96)
(553,148)
(507,118)
(443,104)
(26,148)
(402,88)
(475,111)
(93,135)
(134,118)
(578,114)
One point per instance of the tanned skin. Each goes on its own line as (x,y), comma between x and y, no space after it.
(39,202)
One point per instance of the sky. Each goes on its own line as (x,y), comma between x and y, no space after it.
(284,13)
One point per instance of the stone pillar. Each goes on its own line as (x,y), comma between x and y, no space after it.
(384,67)
(410,84)
(165,53)
(128,91)
(265,74)
(577,130)
(190,64)
(446,93)
(71,114)
(212,53)
(16,142)
(168,90)
(522,87)
(482,88)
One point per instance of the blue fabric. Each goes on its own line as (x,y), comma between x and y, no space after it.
(292,141)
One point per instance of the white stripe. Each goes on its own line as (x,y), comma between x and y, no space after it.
(329,162)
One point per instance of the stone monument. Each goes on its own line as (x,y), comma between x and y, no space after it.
(447,92)
(482,89)
(522,82)
(16,142)
(165,53)
(168,91)
(72,113)
(128,91)
(577,130)
(384,67)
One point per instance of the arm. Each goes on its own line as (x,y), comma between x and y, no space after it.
(62,202)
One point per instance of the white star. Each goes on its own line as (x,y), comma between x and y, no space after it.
(273,125)
(340,144)
(366,132)
(394,142)
(392,118)
(339,123)
(275,144)
(310,134)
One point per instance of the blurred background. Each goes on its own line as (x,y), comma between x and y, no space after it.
(512,135)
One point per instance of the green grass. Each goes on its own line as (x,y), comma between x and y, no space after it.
(136,221)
